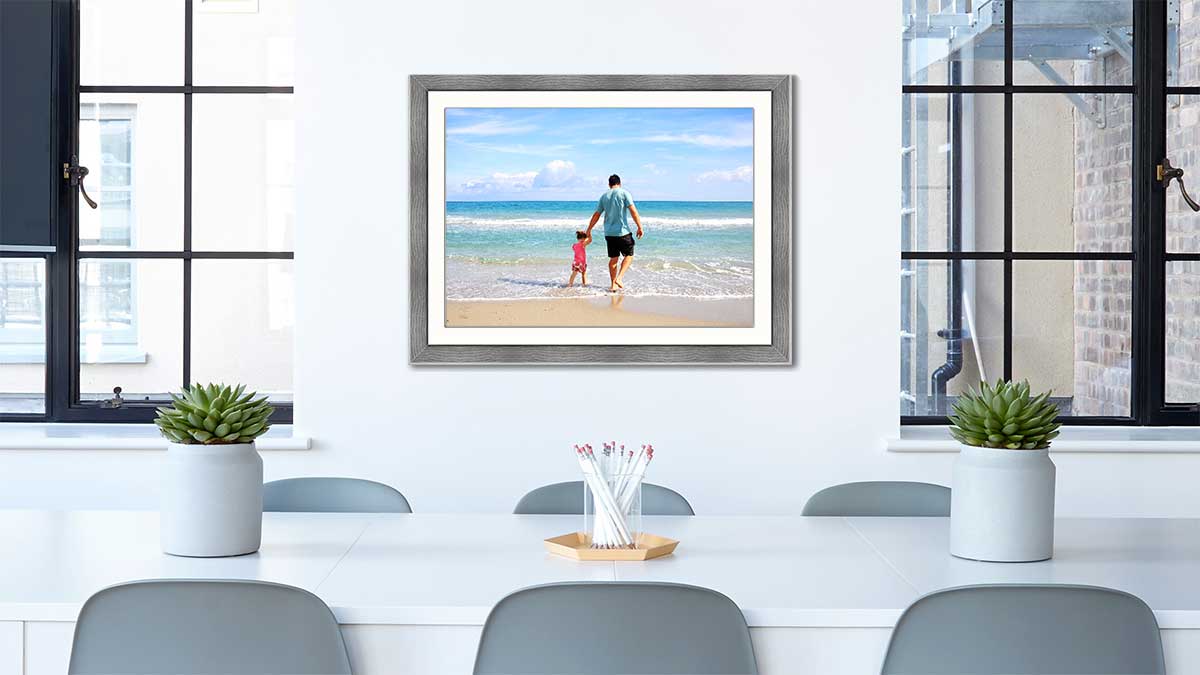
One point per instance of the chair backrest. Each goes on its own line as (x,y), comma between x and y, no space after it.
(192,626)
(880,498)
(615,627)
(567,499)
(1024,630)
(333,495)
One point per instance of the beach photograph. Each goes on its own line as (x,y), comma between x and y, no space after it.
(599,217)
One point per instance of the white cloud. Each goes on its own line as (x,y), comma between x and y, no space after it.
(501,182)
(706,140)
(555,175)
(742,174)
(703,140)
(491,128)
(654,169)
(519,148)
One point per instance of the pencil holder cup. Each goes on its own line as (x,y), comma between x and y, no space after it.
(612,510)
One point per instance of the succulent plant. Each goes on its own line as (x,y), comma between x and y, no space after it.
(214,415)
(1004,416)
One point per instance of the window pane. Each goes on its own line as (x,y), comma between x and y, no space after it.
(951,330)
(243,152)
(131,42)
(1072,332)
(243,318)
(22,335)
(952,42)
(1072,175)
(1183,332)
(952,141)
(133,146)
(130,328)
(244,42)
(1183,144)
(1059,42)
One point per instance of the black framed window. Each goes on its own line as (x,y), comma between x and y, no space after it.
(1037,240)
(181,111)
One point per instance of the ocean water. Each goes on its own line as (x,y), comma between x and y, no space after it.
(514,250)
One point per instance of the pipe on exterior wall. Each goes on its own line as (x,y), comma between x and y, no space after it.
(952,333)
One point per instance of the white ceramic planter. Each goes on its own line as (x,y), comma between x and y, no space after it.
(212,500)
(1002,505)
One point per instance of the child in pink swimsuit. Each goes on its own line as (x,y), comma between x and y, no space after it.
(579,264)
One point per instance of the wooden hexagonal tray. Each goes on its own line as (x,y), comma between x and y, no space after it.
(578,546)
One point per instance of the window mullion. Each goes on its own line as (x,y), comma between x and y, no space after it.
(1008,191)
(1149,213)
(188,34)
(62,374)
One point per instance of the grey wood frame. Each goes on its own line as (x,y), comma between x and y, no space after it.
(777,353)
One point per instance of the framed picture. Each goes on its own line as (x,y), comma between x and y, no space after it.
(600,219)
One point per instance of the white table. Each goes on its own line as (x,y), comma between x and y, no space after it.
(412,592)
(1156,559)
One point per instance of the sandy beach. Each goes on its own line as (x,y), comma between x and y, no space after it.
(607,311)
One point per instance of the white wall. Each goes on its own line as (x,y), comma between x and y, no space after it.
(734,440)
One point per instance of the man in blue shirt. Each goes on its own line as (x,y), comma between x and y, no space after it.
(616,206)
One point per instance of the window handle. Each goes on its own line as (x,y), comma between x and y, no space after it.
(75,173)
(1166,172)
(115,401)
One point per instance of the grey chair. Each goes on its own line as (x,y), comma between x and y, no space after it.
(567,499)
(596,628)
(193,626)
(880,498)
(1016,629)
(333,495)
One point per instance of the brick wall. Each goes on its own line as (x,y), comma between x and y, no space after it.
(1102,221)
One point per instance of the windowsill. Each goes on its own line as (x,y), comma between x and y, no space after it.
(42,436)
(1071,439)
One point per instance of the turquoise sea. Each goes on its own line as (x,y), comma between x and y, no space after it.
(522,249)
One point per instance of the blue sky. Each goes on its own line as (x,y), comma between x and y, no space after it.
(511,154)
